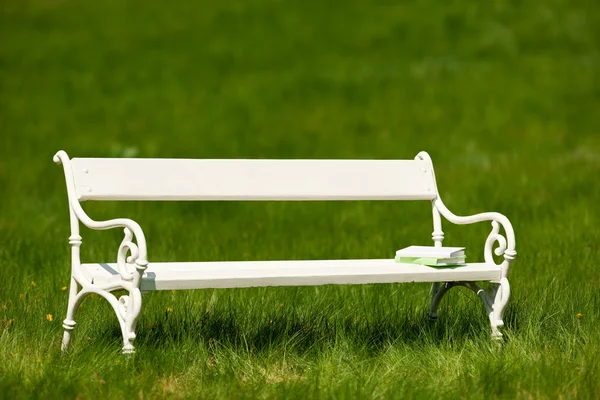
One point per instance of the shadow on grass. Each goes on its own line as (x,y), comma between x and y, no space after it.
(307,332)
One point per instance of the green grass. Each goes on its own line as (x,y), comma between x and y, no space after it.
(504,95)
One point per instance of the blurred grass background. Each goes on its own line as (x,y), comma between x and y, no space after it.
(504,95)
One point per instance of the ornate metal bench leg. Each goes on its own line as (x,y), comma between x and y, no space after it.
(129,308)
(69,322)
(438,290)
(500,294)
(495,298)
(75,298)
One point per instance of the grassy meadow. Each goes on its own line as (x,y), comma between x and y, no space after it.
(504,95)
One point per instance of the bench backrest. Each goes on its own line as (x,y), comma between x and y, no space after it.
(239,179)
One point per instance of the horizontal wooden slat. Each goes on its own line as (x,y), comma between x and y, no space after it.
(236,274)
(216,179)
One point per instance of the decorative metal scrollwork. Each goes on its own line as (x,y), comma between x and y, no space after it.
(492,238)
(123,303)
(494,298)
(125,263)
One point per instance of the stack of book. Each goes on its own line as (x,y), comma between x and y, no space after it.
(432,256)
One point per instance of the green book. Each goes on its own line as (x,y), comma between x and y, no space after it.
(431,261)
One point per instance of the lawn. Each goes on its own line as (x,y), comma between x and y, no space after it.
(505,96)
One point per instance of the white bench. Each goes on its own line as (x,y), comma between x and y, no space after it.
(213,179)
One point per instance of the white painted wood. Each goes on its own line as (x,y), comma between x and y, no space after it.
(239,274)
(215,179)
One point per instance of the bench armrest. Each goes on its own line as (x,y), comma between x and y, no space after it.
(506,245)
(139,254)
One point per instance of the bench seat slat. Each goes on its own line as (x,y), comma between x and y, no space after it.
(238,274)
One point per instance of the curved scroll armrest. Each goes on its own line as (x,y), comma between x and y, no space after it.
(132,228)
(506,245)
(140,254)
(471,219)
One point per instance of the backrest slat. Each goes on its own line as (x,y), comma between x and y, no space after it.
(239,179)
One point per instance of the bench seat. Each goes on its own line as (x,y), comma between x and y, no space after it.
(237,274)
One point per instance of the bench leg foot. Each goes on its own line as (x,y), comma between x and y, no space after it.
(495,298)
